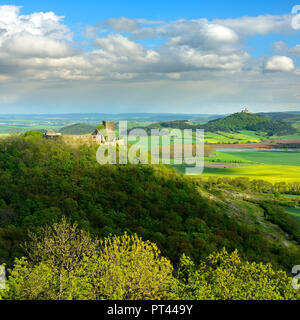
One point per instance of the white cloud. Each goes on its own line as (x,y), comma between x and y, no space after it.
(283,48)
(260,25)
(280,63)
(37,24)
(198,33)
(38,46)
(144,33)
(37,34)
(204,57)
(122,24)
(118,46)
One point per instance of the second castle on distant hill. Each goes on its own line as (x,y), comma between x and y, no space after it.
(245,111)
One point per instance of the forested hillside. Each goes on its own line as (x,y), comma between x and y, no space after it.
(65,263)
(234,123)
(79,128)
(43,181)
(248,121)
(290,117)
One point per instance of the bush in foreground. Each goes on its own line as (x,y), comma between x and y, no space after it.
(65,263)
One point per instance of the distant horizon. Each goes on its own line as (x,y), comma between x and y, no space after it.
(137,113)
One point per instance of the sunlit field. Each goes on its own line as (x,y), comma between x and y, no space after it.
(291,158)
(271,173)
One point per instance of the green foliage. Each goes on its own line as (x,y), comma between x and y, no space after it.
(78,128)
(292,117)
(179,124)
(294,212)
(100,127)
(33,133)
(257,186)
(224,276)
(135,270)
(253,122)
(278,215)
(44,181)
(66,264)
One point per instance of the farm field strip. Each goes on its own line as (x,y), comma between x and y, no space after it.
(271,173)
(291,158)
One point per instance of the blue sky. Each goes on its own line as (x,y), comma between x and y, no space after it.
(148,56)
(92,11)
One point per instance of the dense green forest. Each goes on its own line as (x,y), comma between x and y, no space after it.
(66,263)
(248,121)
(291,117)
(78,128)
(44,182)
(233,123)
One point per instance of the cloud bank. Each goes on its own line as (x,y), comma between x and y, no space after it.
(39,48)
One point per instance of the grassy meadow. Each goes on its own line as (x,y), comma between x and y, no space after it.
(228,157)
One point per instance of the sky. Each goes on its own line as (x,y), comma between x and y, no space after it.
(154,56)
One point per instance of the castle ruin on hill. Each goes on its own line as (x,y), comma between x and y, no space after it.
(103,134)
(110,137)
(50,134)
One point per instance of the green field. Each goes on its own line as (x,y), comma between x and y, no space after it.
(271,173)
(253,134)
(230,138)
(228,157)
(290,158)
(291,196)
(7,129)
(289,137)
(295,212)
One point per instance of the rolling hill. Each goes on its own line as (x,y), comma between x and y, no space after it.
(292,117)
(78,128)
(45,180)
(236,123)
(249,121)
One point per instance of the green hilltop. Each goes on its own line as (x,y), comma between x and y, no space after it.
(78,128)
(248,121)
(236,122)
